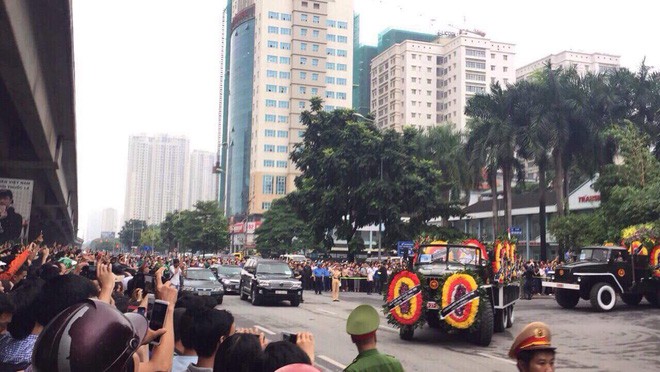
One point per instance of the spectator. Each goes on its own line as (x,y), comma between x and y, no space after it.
(370,279)
(532,349)
(175,270)
(16,345)
(362,325)
(241,352)
(6,311)
(208,329)
(318,279)
(281,353)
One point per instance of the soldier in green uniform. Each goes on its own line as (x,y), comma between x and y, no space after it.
(362,325)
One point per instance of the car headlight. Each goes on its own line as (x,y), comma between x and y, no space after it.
(263,283)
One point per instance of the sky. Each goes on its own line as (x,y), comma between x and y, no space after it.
(153,66)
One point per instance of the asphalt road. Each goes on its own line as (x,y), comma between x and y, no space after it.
(625,339)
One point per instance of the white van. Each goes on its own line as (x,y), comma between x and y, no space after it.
(293,257)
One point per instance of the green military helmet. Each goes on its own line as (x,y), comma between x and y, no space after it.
(363,319)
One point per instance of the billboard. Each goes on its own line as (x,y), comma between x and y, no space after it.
(15,207)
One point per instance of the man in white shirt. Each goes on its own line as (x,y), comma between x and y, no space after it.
(370,279)
(176,273)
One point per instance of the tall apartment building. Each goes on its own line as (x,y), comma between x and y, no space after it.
(582,62)
(423,84)
(156,176)
(202,182)
(109,221)
(282,53)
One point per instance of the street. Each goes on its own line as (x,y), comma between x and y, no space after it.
(624,339)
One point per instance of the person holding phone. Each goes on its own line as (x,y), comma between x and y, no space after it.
(11,222)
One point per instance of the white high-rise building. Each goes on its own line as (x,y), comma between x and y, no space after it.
(423,84)
(582,62)
(156,176)
(282,54)
(202,182)
(109,221)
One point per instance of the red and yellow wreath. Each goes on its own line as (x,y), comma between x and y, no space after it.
(654,260)
(500,253)
(455,287)
(409,312)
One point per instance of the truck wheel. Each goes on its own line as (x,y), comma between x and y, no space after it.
(484,334)
(567,298)
(501,319)
(511,317)
(631,299)
(406,332)
(295,303)
(602,297)
(256,301)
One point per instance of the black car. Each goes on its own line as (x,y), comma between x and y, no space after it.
(269,280)
(202,282)
(230,277)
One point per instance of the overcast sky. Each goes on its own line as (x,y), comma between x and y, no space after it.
(153,66)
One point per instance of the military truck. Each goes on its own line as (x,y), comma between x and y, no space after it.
(453,277)
(599,273)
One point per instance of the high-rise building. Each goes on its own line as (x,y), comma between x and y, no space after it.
(281,54)
(109,221)
(423,84)
(93,226)
(582,62)
(156,176)
(201,181)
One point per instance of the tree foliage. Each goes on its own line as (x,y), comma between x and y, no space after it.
(131,232)
(205,228)
(281,231)
(579,230)
(151,237)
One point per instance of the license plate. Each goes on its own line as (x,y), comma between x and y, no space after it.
(204,293)
(432,305)
(281,292)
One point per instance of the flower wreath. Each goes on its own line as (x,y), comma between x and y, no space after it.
(654,260)
(451,285)
(409,313)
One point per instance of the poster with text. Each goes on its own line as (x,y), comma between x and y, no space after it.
(15,207)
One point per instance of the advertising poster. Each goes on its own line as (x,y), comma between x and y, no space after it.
(15,207)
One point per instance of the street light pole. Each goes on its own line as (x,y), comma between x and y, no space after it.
(380,216)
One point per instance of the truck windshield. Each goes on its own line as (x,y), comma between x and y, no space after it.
(459,255)
(593,254)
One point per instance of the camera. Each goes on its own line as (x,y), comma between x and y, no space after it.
(291,337)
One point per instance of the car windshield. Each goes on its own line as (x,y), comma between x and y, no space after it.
(274,268)
(204,274)
(460,255)
(593,254)
(229,270)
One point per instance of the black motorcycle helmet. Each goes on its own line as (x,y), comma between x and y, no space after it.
(89,336)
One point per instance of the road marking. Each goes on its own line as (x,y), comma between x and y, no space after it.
(497,358)
(265,330)
(332,361)
(326,311)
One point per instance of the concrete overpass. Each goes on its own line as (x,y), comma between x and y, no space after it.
(37,111)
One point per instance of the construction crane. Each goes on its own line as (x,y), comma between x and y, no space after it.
(462,31)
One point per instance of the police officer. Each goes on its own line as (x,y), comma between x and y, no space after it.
(532,349)
(362,324)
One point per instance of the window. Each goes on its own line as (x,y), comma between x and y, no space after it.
(317,6)
(286,17)
(303,75)
(285,75)
(281,148)
(315,47)
(301,133)
(492,56)
(505,57)
(315,91)
(281,164)
(428,116)
(505,81)
(305,4)
(273,15)
(272,29)
(303,32)
(269,148)
(285,31)
(330,23)
(428,81)
(271,88)
(316,19)
(342,39)
(272,59)
(341,81)
(330,51)
(270,118)
(268,184)
(283,104)
(271,103)
(315,61)
(475,53)
(285,46)
(414,56)
(341,95)
(271,73)
(414,103)
(265,205)
(414,79)
(342,53)
(505,69)
(329,80)
(329,66)
(331,37)
(283,89)
(329,94)
(477,77)
(272,44)
(269,163)
(270,132)
(315,76)
(301,104)
(303,60)
(285,60)
(303,46)
(342,25)
(475,89)
(475,64)
(302,90)
(280,185)
(492,67)
(315,33)
(303,17)
(341,67)
(282,134)
(283,118)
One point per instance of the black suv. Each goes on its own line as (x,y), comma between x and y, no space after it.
(269,280)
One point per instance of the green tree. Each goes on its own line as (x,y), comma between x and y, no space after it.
(281,231)
(579,230)
(207,228)
(131,231)
(151,237)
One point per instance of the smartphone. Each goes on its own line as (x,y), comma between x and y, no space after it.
(291,337)
(142,311)
(158,318)
(151,299)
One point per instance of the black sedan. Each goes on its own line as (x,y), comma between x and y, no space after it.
(230,277)
(202,282)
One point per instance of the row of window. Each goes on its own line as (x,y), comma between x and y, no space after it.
(274,103)
(475,89)
(282,16)
(279,30)
(336,52)
(315,33)
(333,80)
(273,163)
(282,74)
(272,148)
(279,133)
(313,91)
(276,89)
(337,24)
(338,95)
(337,38)
(270,118)
(282,60)
(279,184)
(336,66)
